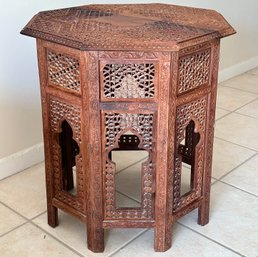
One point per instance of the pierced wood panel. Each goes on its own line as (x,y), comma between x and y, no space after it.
(117,122)
(60,111)
(117,46)
(128,80)
(195,111)
(63,71)
(194,70)
(115,125)
(128,27)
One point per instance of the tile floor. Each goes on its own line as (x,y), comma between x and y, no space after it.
(233,227)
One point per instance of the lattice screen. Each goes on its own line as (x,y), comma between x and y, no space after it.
(63,71)
(115,123)
(129,80)
(194,70)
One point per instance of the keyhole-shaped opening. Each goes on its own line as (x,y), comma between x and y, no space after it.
(69,151)
(129,160)
(187,150)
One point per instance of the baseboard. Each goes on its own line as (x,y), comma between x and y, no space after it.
(238,69)
(21,160)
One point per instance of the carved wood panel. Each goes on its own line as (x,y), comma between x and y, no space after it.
(128,80)
(58,112)
(194,70)
(129,27)
(63,71)
(192,111)
(133,77)
(130,76)
(114,125)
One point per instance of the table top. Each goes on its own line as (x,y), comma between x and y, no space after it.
(153,27)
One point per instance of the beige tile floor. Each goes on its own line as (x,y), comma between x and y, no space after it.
(233,227)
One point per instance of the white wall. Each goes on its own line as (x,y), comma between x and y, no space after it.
(20,111)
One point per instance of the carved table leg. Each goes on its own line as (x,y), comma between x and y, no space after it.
(52,211)
(91,129)
(163,201)
(204,209)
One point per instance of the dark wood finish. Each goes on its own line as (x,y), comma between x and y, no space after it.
(128,77)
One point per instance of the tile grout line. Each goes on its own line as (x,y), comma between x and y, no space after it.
(128,242)
(16,173)
(26,220)
(30,221)
(21,215)
(223,176)
(16,212)
(211,239)
(13,229)
(57,239)
(238,108)
(38,215)
(252,149)
(223,115)
(235,111)
(249,193)
(242,90)
(130,165)
(246,115)
(223,108)
(232,170)
(131,198)
(216,180)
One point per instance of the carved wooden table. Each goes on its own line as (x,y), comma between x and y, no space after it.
(128,77)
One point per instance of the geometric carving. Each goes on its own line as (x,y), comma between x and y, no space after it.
(189,116)
(58,112)
(194,70)
(116,126)
(77,202)
(109,27)
(106,86)
(141,123)
(129,80)
(63,71)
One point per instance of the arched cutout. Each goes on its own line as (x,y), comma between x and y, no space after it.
(129,160)
(187,151)
(69,151)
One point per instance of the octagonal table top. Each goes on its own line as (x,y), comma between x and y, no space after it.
(150,27)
